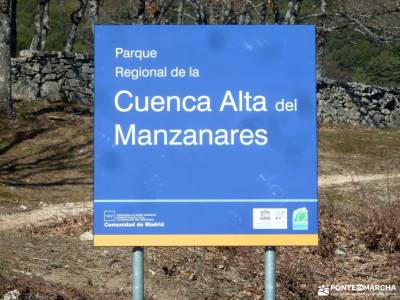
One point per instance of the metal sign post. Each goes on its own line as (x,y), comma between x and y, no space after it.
(213,123)
(270,273)
(138,273)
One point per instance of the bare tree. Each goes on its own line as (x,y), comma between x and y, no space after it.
(41,25)
(373,20)
(76,17)
(5,57)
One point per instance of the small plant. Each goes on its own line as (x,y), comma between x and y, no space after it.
(327,233)
(296,279)
(381,226)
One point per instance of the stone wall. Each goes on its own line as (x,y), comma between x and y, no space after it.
(66,76)
(52,76)
(357,104)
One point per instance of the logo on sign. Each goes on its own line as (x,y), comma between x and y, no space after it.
(109,215)
(323,290)
(269,218)
(300,219)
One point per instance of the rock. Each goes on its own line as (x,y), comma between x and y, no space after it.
(35,67)
(46,69)
(152,272)
(79,98)
(12,295)
(340,252)
(358,259)
(352,114)
(70,74)
(79,56)
(395,119)
(50,77)
(362,247)
(86,236)
(59,68)
(377,118)
(25,89)
(26,53)
(50,91)
(85,69)
(348,104)
(23,207)
(116,265)
(73,83)
(370,122)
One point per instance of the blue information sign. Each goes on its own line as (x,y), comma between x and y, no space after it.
(205,135)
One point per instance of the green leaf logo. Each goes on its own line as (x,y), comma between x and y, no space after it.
(300,219)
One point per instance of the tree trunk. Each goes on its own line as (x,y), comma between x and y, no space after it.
(41,25)
(180,12)
(292,11)
(13,28)
(244,16)
(201,12)
(141,12)
(277,14)
(264,12)
(227,13)
(93,12)
(321,36)
(5,57)
(76,18)
(162,7)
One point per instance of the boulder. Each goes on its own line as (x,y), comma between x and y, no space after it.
(50,91)
(86,236)
(25,89)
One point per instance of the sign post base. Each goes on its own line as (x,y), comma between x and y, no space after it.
(270,273)
(138,273)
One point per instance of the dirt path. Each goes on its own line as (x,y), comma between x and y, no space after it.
(56,213)
(331,180)
(44,216)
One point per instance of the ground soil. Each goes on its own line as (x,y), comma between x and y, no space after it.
(45,205)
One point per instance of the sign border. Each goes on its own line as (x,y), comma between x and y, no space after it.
(206,240)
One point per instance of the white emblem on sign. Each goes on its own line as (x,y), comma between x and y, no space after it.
(269,218)
(109,215)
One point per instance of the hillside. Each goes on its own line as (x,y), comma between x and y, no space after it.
(349,53)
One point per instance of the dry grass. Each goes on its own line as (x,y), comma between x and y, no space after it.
(380,228)
(358,149)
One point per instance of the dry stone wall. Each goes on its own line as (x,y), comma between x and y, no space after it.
(357,104)
(55,76)
(52,76)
